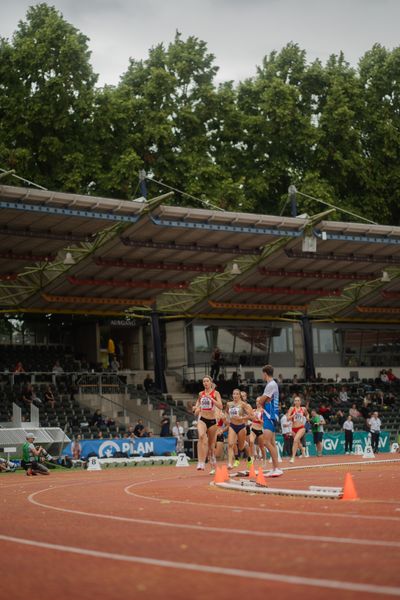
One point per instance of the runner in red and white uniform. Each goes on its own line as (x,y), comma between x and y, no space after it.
(257,431)
(209,399)
(298,415)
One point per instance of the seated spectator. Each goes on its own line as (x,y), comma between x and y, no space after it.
(325,411)
(148,383)
(391,377)
(165,431)
(343,397)
(114,364)
(295,379)
(338,379)
(139,428)
(384,376)
(97,419)
(19,368)
(49,397)
(29,395)
(340,417)
(76,448)
(109,421)
(379,398)
(99,435)
(57,368)
(354,412)
(280,378)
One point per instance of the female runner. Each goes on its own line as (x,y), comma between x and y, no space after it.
(209,399)
(257,431)
(298,415)
(238,414)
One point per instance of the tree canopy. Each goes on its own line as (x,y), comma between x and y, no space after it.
(331,129)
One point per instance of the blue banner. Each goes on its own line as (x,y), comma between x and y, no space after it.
(139,446)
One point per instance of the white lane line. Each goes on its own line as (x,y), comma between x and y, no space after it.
(311,513)
(210,529)
(169,564)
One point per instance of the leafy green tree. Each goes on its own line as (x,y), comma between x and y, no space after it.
(46,100)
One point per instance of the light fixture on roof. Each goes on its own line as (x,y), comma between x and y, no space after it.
(385,277)
(309,243)
(235,269)
(69,259)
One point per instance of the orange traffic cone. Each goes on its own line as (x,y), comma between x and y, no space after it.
(349,490)
(224,473)
(252,472)
(260,478)
(219,476)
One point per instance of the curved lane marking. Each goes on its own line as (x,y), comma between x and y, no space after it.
(210,529)
(199,568)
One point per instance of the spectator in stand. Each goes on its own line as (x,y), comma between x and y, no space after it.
(338,379)
(76,448)
(216,359)
(384,376)
(318,378)
(375,424)
(178,432)
(343,396)
(279,378)
(97,419)
(324,411)
(109,421)
(390,376)
(295,379)
(340,417)
(148,383)
(99,435)
(19,368)
(380,398)
(354,412)
(57,368)
(29,395)
(139,428)
(49,397)
(348,427)
(114,365)
(165,431)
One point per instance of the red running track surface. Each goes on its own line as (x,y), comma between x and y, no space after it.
(164,532)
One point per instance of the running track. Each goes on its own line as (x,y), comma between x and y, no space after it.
(164,532)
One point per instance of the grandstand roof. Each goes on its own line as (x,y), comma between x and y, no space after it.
(138,255)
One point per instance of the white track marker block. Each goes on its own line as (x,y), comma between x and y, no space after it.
(182,460)
(368,453)
(94,464)
(358,450)
(394,448)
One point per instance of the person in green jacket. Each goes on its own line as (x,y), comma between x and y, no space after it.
(32,456)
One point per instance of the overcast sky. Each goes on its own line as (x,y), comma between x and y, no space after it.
(238,32)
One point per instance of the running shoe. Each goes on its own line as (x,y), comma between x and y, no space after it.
(291,460)
(230,467)
(200,466)
(275,473)
(249,461)
(212,472)
(236,463)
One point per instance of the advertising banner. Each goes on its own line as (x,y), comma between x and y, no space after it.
(157,446)
(333,443)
